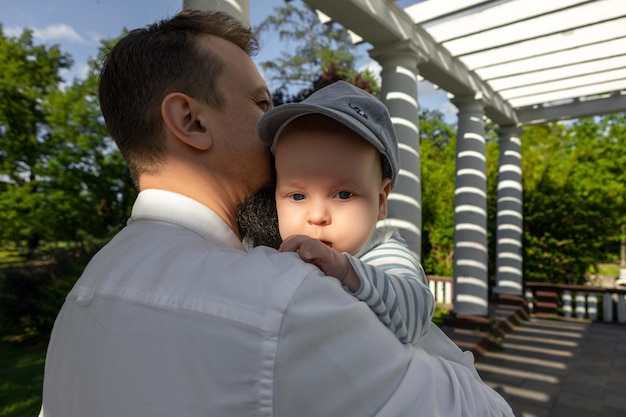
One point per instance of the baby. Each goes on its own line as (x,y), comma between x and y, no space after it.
(336,158)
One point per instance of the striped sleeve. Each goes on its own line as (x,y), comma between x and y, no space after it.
(394,286)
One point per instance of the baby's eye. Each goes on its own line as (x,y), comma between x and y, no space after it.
(297,197)
(344,195)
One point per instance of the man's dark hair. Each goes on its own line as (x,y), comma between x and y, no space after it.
(151,62)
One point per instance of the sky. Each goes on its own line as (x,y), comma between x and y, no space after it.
(77,26)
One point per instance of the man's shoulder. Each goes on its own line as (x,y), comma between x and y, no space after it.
(278,265)
(193,274)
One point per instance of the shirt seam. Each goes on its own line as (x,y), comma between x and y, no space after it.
(279,332)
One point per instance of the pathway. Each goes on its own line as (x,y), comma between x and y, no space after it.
(549,368)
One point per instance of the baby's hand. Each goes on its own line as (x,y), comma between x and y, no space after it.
(331,262)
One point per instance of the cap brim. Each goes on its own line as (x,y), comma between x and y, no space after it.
(274,120)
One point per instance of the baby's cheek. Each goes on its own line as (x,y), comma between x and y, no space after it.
(286,225)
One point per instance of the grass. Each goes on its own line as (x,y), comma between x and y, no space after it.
(440,314)
(21,379)
(608,268)
(10,256)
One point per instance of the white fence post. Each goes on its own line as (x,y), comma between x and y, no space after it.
(448,292)
(567,303)
(580,305)
(529,300)
(440,292)
(592,306)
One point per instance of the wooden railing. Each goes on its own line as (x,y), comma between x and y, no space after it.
(580,301)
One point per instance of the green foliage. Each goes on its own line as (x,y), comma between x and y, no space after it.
(28,73)
(440,314)
(318,54)
(574,194)
(437,148)
(31,294)
(61,176)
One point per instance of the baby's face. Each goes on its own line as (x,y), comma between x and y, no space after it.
(329,186)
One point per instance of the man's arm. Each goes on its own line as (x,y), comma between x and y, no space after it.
(334,358)
(389,280)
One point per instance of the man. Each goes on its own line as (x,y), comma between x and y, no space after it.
(173,317)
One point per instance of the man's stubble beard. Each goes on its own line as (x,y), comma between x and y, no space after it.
(257,218)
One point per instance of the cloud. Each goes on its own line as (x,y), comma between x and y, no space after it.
(428,89)
(450,112)
(374,68)
(82,70)
(12,31)
(58,32)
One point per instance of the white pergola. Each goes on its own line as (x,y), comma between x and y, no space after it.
(532,60)
(515,62)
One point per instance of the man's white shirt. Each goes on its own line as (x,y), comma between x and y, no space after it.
(174,318)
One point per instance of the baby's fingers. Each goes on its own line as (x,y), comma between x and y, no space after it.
(293,243)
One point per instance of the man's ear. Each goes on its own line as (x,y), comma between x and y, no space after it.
(385,189)
(185,118)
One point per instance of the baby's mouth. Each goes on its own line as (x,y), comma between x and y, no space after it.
(327,243)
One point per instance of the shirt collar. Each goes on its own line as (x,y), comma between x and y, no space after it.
(168,207)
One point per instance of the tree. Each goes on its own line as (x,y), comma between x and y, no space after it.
(61,177)
(574,193)
(28,74)
(574,190)
(601,149)
(437,155)
(86,163)
(317,54)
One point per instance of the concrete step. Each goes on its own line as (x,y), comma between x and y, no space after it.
(482,333)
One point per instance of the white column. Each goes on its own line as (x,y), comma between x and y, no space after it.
(236,8)
(399,93)
(509,277)
(470,210)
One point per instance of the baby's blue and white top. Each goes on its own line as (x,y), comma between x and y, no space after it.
(394,285)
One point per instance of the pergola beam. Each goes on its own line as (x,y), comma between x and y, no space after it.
(614,103)
(382,23)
